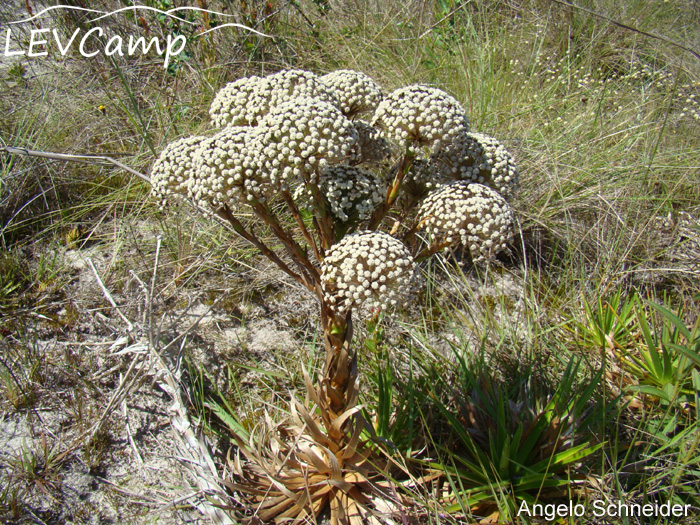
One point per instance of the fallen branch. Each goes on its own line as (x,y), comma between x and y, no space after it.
(85,159)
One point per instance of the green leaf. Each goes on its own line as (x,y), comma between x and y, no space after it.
(651,391)
(566,457)
(228,419)
(673,318)
(687,352)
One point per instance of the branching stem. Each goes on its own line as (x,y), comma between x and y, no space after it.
(392,192)
(431,250)
(294,210)
(296,252)
(225,213)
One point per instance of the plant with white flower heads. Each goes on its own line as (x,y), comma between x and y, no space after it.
(375,150)
(300,137)
(239,103)
(421,116)
(354,204)
(173,171)
(227,168)
(247,100)
(357,93)
(296,83)
(351,193)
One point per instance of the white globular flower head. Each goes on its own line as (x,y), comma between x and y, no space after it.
(290,84)
(301,137)
(228,169)
(479,158)
(351,193)
(367,269)
(421,117)
(246,101)
(173,171)
(240,103)
(420,178)
(470,213)
(357,93)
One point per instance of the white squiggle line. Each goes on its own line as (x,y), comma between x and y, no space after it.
(167,13)
(127,8)
(149,8)
(40,13)
(234,25)
(190,8)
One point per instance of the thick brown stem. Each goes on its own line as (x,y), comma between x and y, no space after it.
(339,381)
(392,193)
(323,221)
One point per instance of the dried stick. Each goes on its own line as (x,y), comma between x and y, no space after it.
(392,192)
(125,415)
(85,159)
(108,296)
(192,449)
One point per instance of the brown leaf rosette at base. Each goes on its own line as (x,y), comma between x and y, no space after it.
(294,471)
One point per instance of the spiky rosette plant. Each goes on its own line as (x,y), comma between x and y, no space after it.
(365,201)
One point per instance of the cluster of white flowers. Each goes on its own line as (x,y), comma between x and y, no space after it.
(227,169)
(479,158)
(293,129)
(301,137)
(357,93)
(471,213)
(173,171)
(423,176)
(351,192)
(239,103)
(421,116)
(367,268)
(290,84)
(246,101)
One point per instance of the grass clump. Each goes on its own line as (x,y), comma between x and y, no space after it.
(517,442)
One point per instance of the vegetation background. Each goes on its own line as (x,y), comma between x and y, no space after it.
(568,369)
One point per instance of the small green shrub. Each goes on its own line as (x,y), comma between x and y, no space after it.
(516,440)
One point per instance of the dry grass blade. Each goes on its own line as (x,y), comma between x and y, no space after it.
(88,159)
